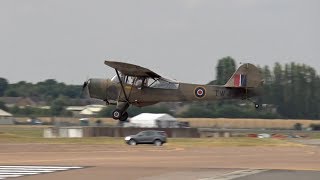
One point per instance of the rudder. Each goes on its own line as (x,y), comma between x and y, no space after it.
(246,76)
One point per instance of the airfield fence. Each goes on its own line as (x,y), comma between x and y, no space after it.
(122,132)
(198,122)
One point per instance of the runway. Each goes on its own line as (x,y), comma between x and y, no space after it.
(145,162)
(20,171)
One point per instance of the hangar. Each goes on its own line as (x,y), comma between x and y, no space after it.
(5,118)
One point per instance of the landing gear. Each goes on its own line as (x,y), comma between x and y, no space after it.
(124,116)
(256,105)
(118,115)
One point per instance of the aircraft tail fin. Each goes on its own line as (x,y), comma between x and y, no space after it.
(246,76)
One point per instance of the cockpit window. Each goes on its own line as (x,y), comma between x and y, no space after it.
(159,83)
(162,83)
(115,79)
(124,78)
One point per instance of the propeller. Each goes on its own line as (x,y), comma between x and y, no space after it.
(84,87)
(85,84)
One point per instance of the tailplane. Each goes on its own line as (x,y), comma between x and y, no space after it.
(246,76)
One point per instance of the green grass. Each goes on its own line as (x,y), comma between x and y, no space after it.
(234,141)
(33,134)
(22,131)
(9,138)
(315,135)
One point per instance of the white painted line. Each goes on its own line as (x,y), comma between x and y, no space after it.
(34,169)
(9,176)
(236,174)
(19,170)
(23,173)
(45,167)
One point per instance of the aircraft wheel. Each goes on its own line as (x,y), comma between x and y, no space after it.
(116,114)
(124,116)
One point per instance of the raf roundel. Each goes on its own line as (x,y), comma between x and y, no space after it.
(200,92)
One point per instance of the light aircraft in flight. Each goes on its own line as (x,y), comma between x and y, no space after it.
(139,86)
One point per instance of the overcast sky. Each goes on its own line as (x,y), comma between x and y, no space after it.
(69,40)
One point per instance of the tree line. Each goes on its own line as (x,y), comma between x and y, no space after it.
(290,91)
(47,90)
(293,89)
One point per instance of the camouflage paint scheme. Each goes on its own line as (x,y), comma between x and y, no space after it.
(243,84)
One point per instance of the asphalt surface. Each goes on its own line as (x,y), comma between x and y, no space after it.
(312,142)
(284,175)
(157,163)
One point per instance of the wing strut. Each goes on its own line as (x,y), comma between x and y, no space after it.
(123,90)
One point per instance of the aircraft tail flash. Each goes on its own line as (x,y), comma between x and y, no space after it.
(246,76)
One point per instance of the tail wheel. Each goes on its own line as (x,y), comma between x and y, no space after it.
(124,116)
(132,142)
(157,142)
(116,114)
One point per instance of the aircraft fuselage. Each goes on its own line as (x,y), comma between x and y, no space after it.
(142,96)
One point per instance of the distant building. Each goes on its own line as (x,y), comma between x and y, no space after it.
(6,118)
(89,110)
(85,102)
(4,113)
(22,102)
(17,101)
(75,110)
(153,121)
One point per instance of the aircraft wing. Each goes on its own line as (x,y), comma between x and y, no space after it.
(131,69)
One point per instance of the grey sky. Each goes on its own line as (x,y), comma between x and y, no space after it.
(69,40)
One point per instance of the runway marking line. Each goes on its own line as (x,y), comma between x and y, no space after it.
(19,171)
(236,174)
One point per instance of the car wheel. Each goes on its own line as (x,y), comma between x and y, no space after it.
(132,142)
(157,143)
